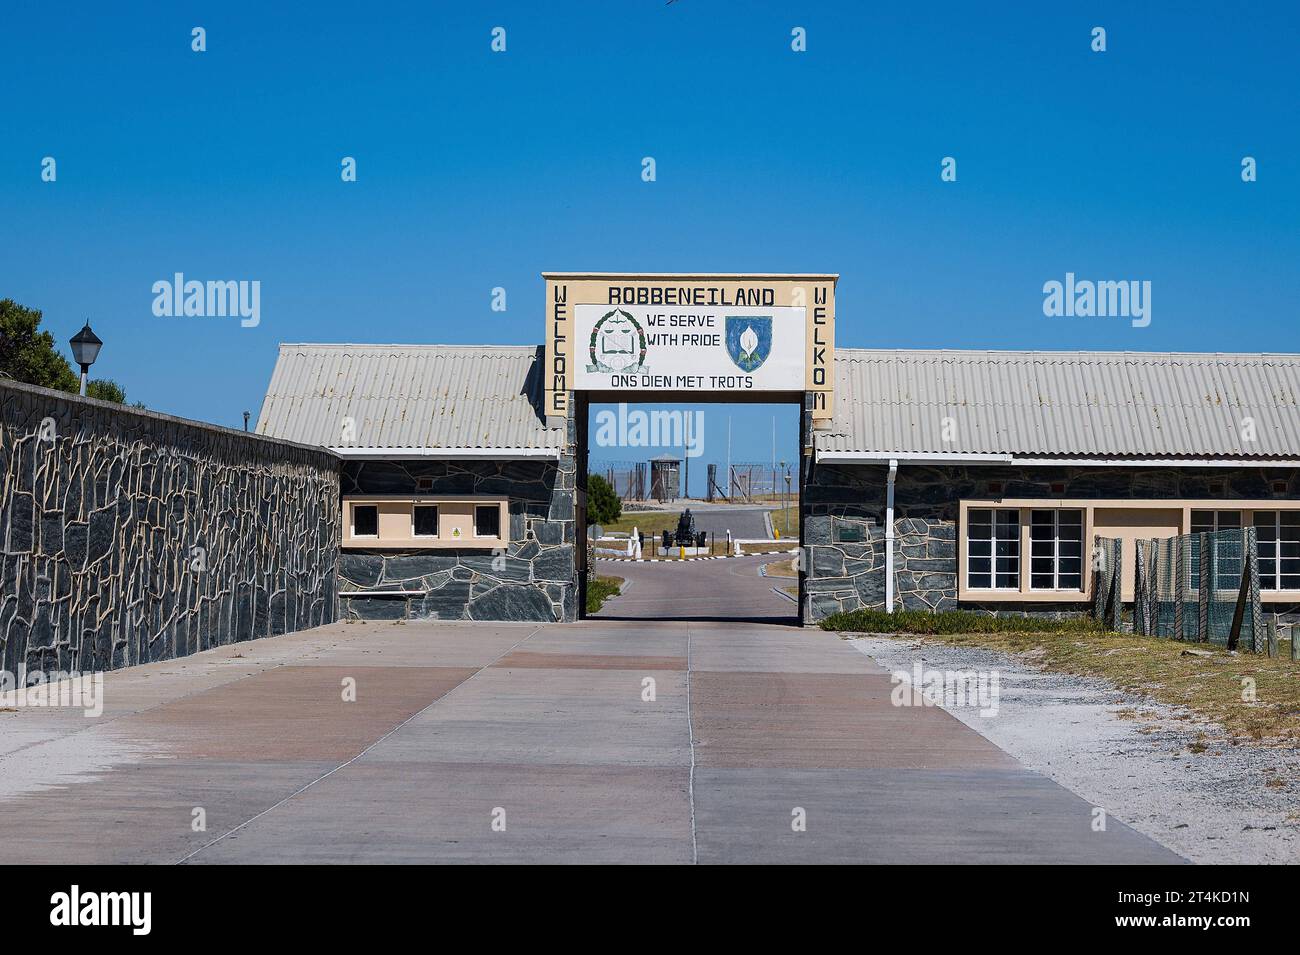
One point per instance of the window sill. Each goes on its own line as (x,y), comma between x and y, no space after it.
(1279,596)
(1023,596)
(422,543)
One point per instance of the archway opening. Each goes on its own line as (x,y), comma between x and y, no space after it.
(706,524)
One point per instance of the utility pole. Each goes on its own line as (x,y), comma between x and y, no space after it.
(728,457)
(686,457)
(774,488)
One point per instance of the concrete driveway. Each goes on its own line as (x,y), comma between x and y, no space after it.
(518,743)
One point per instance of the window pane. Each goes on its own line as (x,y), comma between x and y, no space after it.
(1229,519)
(365,520)
(426,520)
(487,520)
(1202,521)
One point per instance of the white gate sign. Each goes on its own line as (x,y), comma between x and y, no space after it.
(689,348)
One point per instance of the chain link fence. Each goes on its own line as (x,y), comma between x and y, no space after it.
(1202,588)
(1107,576)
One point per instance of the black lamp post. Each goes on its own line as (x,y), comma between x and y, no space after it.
(85,349)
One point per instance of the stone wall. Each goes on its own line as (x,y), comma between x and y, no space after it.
(128,536)
(843,511)
(533,580)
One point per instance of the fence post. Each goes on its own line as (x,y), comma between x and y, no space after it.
(1116,583)
(1098,598)
(1180,590)
(1272,636)
(1250,562)
(1243,594)
(1204,585)
(1139,588)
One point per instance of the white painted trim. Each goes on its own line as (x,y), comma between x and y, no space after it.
(450,454)
(1162,462)
(889,536)
(962,457)
(884,457)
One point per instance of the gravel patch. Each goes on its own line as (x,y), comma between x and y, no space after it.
(1140,760)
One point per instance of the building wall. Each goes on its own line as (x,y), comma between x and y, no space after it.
(128,536)
(845,502)
(533,580)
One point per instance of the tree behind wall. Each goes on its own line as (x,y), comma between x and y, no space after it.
(105,389)
(28,354)
(603,505)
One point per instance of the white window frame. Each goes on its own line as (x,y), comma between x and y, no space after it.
(1276,559)
(353,515)
(477,535)
(994,524)
(396,522)
(1055,541)
(1181,507)
(437,520)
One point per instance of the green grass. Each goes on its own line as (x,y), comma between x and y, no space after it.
(600,589)
(952,621)
(649,523)
(654,523)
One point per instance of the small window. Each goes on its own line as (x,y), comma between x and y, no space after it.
(1056,550)
(1278,534)
(993,549)
(424,520)
(1227,550)
(1058,488)
(1279,488)
(424,484)
(487,520)
(365,520)
(996,487)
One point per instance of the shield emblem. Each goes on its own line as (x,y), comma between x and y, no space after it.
(749,340)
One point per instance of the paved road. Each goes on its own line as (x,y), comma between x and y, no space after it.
(746,523)
(700,589)
(455,725)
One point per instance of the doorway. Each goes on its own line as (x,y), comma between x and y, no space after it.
(698,477)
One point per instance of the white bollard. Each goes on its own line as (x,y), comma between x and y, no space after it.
(738,553)
(631,543)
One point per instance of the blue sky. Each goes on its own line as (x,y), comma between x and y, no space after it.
(478,170)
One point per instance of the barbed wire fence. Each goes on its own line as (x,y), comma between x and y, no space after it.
(1201,588)
(627,478)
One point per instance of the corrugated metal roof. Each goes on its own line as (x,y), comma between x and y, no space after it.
(409,396)
(1071,404)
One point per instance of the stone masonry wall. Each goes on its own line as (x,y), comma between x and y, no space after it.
(844,502)
(533,580)
(128,536)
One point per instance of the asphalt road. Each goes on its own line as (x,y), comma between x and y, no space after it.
(746,523)
(519,743)
(729,589)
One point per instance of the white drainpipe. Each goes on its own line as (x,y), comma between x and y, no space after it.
(889,536)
